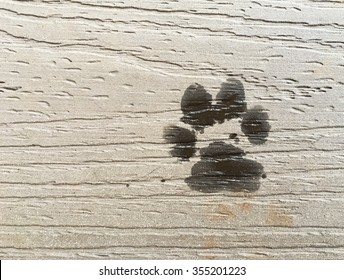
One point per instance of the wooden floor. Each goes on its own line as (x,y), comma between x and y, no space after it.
(87,88)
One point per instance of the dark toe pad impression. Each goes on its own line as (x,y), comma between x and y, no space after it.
(255,125)
(184,140)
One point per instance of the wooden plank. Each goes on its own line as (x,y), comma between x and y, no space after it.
(88,87)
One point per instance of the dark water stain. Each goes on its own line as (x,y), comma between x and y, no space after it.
(255,125)
(184,140)
(197,108)
(222,167)
(230,101)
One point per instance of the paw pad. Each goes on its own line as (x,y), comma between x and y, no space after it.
(222,166)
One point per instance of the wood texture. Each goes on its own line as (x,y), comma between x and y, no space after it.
(86,89)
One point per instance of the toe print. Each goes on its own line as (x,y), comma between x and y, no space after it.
(255,125)
(184,140)
(196,107)
(230,101)
(222,166)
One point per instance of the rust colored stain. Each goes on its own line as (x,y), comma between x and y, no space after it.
(222,213)
(279,216)
(226,211)
(210,242)
(245,207)
(208,257)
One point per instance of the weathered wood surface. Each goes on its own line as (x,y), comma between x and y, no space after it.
(87,87)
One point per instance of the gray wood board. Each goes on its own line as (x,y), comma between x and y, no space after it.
(87,88)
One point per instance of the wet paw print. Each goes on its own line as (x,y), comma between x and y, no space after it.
(222,166)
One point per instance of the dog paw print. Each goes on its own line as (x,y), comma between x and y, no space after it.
(222,166)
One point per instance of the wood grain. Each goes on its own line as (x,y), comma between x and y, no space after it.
(86,89)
